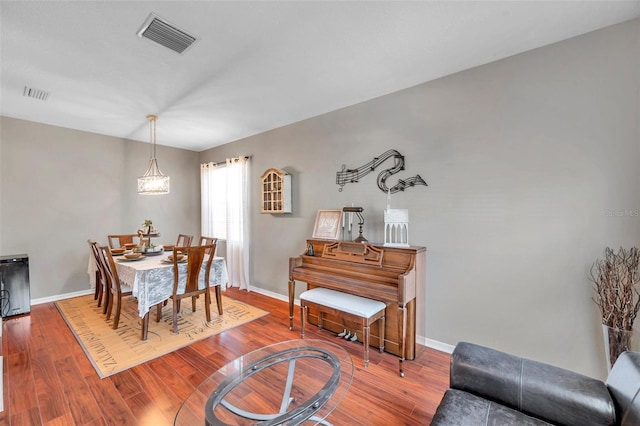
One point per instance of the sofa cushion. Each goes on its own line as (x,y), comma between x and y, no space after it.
(460,408)
(554,394)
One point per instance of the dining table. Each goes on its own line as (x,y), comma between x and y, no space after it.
(151,279)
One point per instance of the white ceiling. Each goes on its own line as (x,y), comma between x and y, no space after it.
(257,65)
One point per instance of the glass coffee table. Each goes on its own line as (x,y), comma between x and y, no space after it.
(290,383)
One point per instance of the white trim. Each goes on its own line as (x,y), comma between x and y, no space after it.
(61,297)
(435,344)
(430,343)
(273,295)
(421,340)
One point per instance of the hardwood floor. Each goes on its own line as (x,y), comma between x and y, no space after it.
(49,380)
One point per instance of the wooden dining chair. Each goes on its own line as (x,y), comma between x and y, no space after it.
(208,241)
(116,241)
(204,241)
(102,290)
(197,256)
(184,241)
(116,289)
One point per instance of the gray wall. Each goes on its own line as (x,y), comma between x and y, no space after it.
(532,165)
(532,170)
(60,187)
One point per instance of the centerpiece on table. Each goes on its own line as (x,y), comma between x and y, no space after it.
(145,233)
(147,228)
(616,294)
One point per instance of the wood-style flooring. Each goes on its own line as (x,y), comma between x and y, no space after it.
(48,379)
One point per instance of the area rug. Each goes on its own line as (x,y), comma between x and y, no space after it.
(112,351)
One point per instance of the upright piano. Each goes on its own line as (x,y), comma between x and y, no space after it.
(392,275)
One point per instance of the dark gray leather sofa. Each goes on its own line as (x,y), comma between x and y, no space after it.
(489,387)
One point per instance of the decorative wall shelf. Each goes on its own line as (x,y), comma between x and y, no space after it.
(276,192)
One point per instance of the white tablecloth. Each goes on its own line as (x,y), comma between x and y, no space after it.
(152,278)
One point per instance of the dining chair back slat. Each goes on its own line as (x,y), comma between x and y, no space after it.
(208,241)
(119,240)
(204,241)
(116,289)
(194,263)
(102,289)
(197,256)
(184,241)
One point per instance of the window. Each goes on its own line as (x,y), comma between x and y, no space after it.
(214,200)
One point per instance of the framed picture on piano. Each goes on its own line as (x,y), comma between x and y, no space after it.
(327,225)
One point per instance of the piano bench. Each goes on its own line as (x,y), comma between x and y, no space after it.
(348,306)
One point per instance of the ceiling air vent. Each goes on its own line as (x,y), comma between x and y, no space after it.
(30,92)
(166,34)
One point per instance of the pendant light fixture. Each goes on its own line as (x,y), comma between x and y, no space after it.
(153,182)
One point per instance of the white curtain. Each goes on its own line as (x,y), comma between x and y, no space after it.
(225,213)
(238,222)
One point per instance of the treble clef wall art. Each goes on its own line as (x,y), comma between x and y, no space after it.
(353,175)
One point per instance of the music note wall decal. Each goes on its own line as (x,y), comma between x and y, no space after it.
(353,175)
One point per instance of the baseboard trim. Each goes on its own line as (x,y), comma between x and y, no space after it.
(55,298)
(274,295)
(421,340)
(435,344)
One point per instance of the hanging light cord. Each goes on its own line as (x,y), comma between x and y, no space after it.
(152,134)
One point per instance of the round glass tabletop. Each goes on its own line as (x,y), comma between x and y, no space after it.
(290,383)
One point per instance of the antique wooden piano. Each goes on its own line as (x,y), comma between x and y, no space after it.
(389,274)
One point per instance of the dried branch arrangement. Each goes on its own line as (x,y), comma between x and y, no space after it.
(616,294)
(616,279)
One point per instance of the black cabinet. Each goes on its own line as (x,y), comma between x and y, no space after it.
(15,293)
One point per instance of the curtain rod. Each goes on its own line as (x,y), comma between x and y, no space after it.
(220,163)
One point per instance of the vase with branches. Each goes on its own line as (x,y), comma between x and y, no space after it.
(616,293)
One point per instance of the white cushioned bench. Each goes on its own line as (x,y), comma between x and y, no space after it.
(348,306)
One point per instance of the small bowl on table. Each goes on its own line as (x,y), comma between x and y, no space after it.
(133,255)
(168,247)
(130,246)
(118,250)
